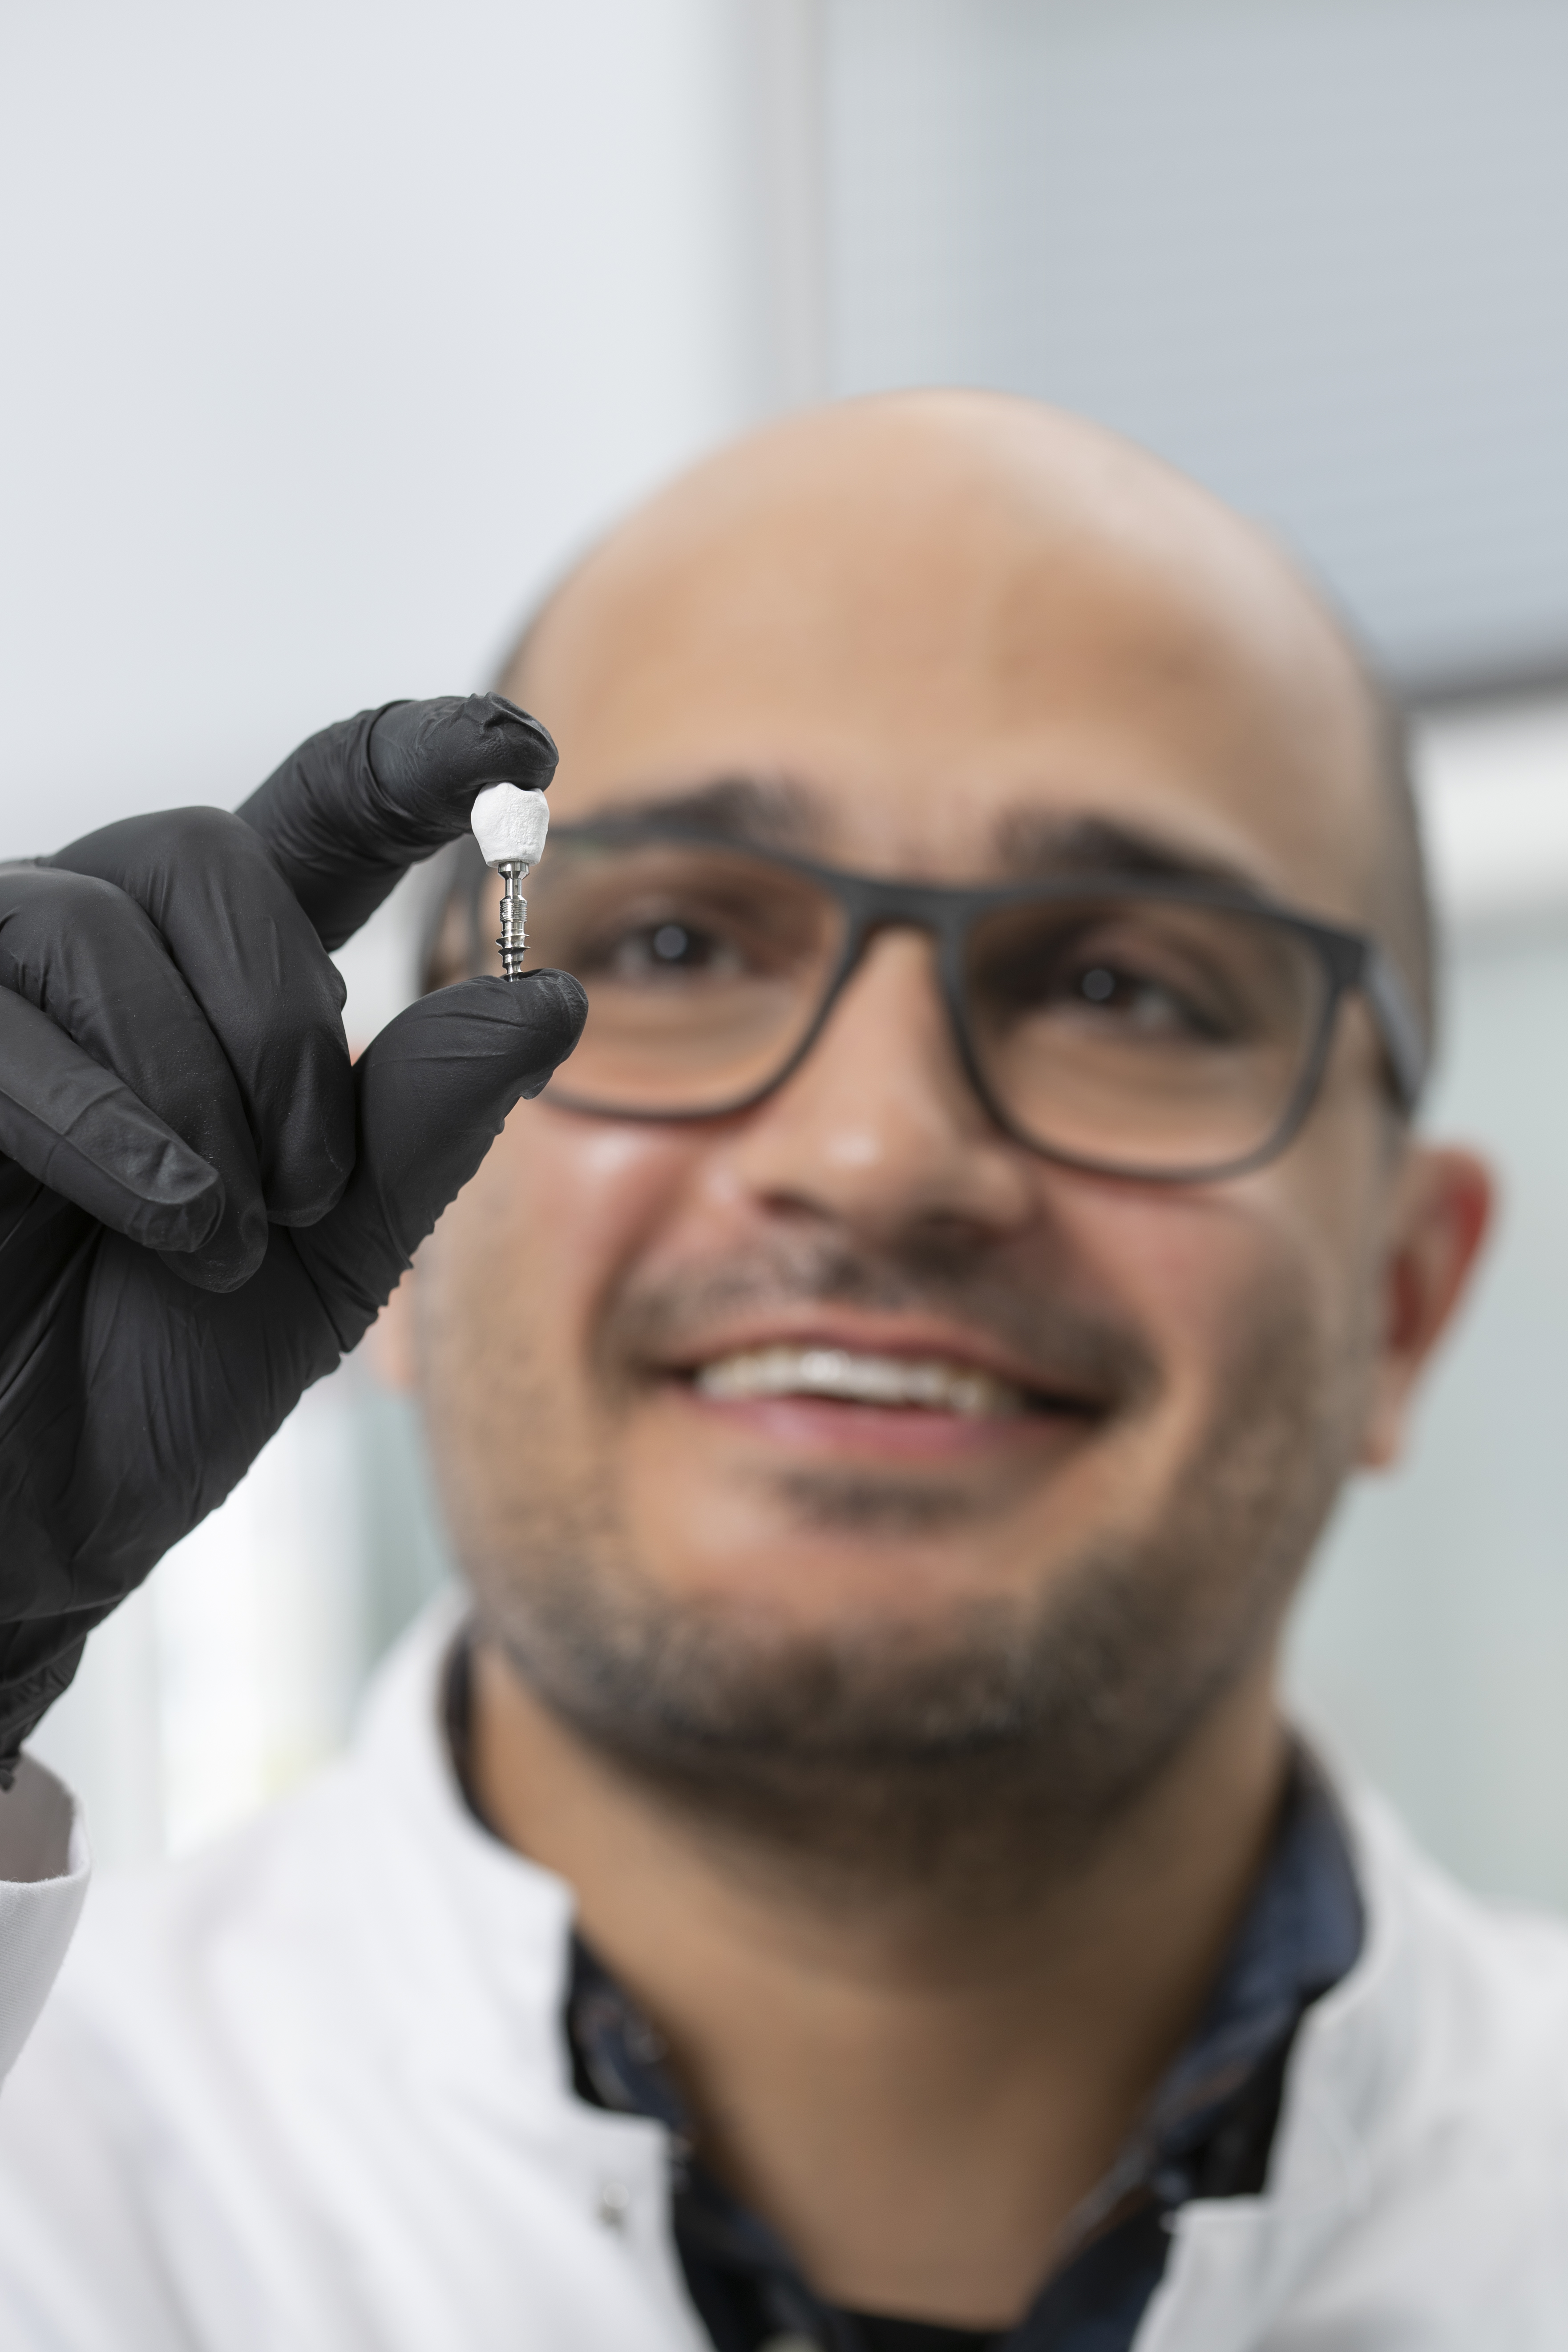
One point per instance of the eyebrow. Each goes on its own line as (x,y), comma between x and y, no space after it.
(1033,842)
(777,812)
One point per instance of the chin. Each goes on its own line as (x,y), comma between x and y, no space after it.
(836,1549)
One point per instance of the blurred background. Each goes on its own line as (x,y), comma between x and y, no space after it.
(335,330)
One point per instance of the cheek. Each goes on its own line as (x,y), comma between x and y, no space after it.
(518,1266)
(1219,1283)
(507,1301)
(1269,1279)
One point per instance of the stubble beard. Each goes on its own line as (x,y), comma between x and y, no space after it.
(1002,1740)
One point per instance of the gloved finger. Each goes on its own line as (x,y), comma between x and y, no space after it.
(351,809)
(435,1089)
(90,960)
(79,1129)
(272,994)
(37,1661)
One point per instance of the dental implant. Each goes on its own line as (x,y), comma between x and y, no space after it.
(510,826)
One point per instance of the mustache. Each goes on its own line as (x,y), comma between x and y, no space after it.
(1071,1349)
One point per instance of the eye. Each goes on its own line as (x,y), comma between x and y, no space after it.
(670,949)
(673,943)
(1143,990)
(1136,998)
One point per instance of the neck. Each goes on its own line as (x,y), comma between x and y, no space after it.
(915,2091)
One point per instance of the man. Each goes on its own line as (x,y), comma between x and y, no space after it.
(843,1878)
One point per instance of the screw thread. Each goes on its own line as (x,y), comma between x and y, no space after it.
(513,938)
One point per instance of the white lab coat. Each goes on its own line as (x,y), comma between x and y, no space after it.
(309,2093)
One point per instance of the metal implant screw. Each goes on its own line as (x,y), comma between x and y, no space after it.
(513,937)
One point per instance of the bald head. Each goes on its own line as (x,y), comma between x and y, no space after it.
(983,582)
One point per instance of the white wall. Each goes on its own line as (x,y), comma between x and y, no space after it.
(333,329)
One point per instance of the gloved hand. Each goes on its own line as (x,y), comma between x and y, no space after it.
(202,1205)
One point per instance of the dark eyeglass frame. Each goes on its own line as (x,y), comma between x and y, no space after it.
(1350,960)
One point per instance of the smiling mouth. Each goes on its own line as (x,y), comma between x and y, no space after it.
(856,1375)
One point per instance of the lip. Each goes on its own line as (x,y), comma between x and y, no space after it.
(844,1428)
(909,1337)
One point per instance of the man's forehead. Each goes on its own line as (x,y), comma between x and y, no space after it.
(943,654)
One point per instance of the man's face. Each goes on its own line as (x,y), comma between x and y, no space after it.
(930,664)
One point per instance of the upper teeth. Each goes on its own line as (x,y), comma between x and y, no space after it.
(866,1379)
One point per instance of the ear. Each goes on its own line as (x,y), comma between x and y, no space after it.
(388,1345)
(1442,1208)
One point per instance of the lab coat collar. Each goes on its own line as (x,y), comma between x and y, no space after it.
(1235,2264)
(481,1926)
(469,1904)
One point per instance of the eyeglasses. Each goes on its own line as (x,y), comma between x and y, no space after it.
(1167,1030)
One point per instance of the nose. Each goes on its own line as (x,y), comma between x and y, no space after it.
(879,1128)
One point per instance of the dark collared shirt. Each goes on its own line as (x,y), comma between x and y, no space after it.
(1207,2132)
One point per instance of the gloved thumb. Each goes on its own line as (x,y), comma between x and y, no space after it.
(433,1092)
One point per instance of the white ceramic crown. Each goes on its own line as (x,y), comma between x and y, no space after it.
(509,826)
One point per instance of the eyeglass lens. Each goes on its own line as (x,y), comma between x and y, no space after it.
(1123,1032)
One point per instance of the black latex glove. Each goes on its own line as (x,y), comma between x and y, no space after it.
(202,1205)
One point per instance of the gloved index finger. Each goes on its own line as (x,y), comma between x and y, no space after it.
(348,812)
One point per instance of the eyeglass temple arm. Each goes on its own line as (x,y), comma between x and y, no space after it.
(1399,1024)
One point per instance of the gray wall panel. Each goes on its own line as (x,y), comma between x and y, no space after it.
(1313,250)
